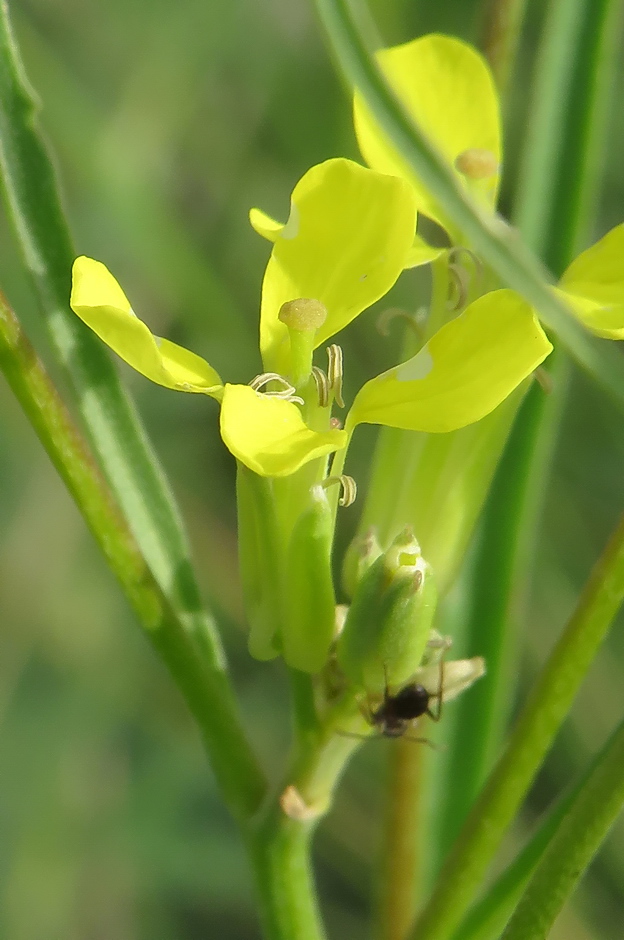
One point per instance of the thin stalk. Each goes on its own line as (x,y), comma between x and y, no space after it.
(548,704)
(488,235)
(569,853)
(31,194)
(206,688)
(501,36)
(400,853)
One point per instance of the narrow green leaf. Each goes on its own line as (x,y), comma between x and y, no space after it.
(204,685)
(571,850)
(490,236)
(548,704)
(114,430)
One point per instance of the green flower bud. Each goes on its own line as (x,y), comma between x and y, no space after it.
(309,601)
(389,621)
(362,552)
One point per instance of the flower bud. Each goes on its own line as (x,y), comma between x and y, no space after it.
(309,601)
(389,620)
(361,553)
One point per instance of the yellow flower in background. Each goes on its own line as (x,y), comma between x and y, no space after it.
(447,87)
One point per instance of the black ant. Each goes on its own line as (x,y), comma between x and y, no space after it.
(396,712)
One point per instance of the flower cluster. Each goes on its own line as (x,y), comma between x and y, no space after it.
(350,233)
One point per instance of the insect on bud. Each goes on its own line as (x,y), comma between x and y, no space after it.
(476,163)
(389,620)
(303,314)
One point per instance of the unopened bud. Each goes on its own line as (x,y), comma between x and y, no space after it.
(389,620)
(476,163)
(303,314)
(362,552)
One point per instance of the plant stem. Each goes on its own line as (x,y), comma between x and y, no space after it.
(111,423)
(280,851)
(400,857)
(570,851)
(205,686)
(488,235)
(540,720)
(501,37)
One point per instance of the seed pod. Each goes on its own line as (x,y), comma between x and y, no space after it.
(309,601)
(389,620)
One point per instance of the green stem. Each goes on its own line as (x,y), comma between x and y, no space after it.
(204,685)
(113,428)
(541,718)
(488,235)
(571,850)
(280,851)
(400,854)
(501,37)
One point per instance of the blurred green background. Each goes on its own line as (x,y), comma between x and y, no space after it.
(168,122)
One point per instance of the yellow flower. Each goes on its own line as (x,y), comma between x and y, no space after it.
(348,237)
(448,89)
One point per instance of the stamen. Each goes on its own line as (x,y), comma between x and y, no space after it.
(414,321)
(322,386)
(459,286)
(335,372)
(287,392)
(459,252)
(348,486)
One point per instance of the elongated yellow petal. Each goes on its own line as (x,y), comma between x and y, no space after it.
(269,435)
(465,370)
(593,285)
(347,240)
(448,89)
(100,302)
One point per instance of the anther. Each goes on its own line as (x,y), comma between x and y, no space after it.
(287,392)
(348,488)
(322,386)
(335,372)
(459,254)
(476,163)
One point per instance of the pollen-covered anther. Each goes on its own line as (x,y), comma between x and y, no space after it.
(287,391)
(476,163)
(303,314)
(348,486)
(335,372)
(322,386)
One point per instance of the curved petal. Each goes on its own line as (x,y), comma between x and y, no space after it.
(448,89)
(421,253)
(465,370)
(347,240)
(100,302)
(593,285)
(269,435)
(264,225)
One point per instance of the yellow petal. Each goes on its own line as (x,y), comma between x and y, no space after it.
(593,285)
(269,435)
(347,240)
(421,253)
(100,302)
(448,89)
(465,370)
(264,225)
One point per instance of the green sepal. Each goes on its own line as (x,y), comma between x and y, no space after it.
(389,620)
(309,600)
(257,563)
(363,551)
